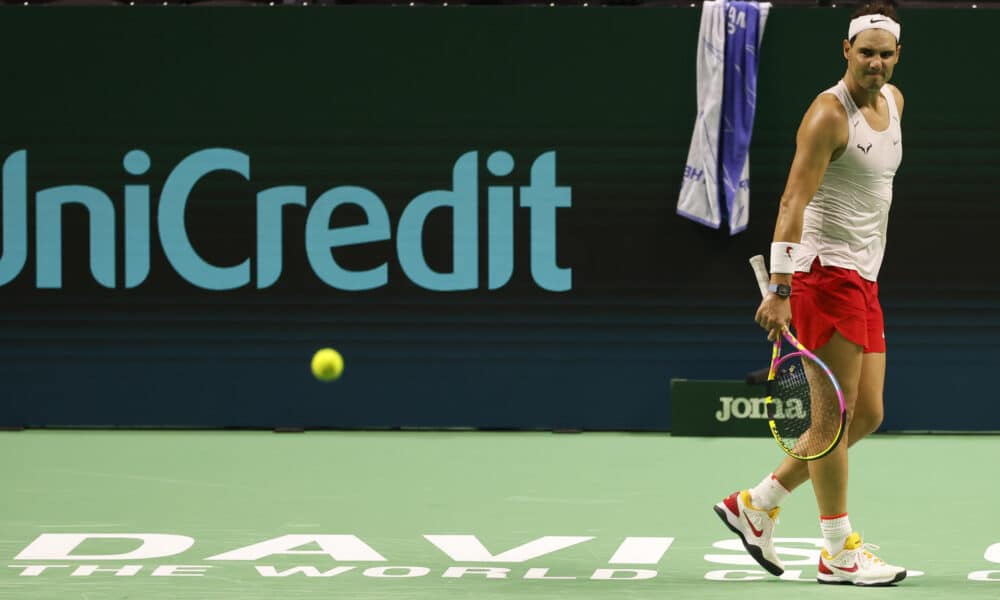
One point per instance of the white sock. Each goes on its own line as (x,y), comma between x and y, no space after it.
(835,529)
(769,493)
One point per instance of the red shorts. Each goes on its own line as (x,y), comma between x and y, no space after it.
(828,299)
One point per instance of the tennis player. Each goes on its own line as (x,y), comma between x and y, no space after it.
(828,245)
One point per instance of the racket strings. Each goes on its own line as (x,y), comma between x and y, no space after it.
(791,378)
(806,428)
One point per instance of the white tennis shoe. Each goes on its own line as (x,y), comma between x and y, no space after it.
(855,564)
(755,528)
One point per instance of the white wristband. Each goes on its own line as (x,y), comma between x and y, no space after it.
(783,257)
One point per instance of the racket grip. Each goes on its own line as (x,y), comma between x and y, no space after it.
(760,272)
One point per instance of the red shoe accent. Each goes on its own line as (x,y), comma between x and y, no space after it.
(732,505)
(823,568)
(847,569)
(756,532)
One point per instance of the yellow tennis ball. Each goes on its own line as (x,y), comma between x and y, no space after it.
(327,364)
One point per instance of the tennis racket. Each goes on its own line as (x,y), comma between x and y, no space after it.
(805,406)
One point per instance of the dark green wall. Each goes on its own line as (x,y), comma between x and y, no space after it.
(388,99)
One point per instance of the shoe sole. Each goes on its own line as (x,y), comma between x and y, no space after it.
(754,551)
(899,577)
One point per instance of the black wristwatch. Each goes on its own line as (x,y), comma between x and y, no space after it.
(782,290)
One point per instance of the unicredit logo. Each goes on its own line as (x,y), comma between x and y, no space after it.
(541,198)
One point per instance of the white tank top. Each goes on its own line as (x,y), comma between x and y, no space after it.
(845,223)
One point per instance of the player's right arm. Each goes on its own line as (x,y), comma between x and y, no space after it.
(821,138)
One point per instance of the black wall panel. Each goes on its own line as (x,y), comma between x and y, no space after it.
(388,99)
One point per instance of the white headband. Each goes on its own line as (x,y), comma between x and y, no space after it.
(876,21)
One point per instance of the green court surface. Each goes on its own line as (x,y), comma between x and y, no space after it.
(480,515)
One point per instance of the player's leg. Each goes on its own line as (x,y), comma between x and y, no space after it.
(867,416)
(829,474)
(850,562)
(792,473)
(868,410)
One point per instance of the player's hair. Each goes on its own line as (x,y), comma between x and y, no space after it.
(876,7)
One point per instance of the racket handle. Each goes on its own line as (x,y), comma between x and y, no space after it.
(760,271)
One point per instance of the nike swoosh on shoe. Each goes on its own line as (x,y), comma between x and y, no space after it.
(756,532)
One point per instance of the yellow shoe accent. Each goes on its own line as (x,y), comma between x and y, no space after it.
(853,541)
